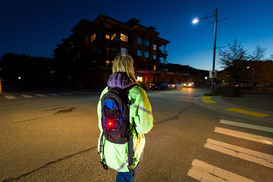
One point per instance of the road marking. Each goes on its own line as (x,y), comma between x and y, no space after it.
(245,125)
(67,94)
(243,135)
(41,95)
(53,94)
(27,96)
(10,97)
(206,172)
(240,152)
(208,100)
(251,113)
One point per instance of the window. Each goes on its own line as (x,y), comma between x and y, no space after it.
(113,36)
(107,63)
(123,37)
(139,40)
(146,54)
(154,56)
(123,50)
(108,50)
(146,42)
(154,67)
(93,37)
(154,47)
(139,52)
(107,36)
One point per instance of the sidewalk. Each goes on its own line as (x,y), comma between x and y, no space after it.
(251,107)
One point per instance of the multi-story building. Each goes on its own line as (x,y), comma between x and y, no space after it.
(89,52)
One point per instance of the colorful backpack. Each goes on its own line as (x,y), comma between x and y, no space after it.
(115,121)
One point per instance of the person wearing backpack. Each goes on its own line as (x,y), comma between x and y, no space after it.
(124,116)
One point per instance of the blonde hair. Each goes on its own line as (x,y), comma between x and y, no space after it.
(124,63)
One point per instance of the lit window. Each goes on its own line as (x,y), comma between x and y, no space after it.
(123,37)
(107,62)
(154,67)
(154,56)
(107,36)
(93,37)
(139,52)
(113,36)
(139,40)
(146,42)
(123,50)
(154,47)
(146,54)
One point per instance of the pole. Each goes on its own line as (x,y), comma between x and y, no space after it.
(214,50)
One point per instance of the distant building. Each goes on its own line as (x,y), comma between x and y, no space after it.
(85,57)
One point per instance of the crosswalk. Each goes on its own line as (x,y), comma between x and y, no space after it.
(203,171)
(35,95)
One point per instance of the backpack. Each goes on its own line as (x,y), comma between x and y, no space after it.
(115,121)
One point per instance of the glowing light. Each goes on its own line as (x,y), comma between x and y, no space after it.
(195,21)
(110,123)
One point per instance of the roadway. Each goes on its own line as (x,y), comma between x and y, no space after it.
(52,136)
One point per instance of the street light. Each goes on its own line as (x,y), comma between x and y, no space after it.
(196,20)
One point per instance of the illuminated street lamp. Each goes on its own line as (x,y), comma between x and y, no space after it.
(196,20)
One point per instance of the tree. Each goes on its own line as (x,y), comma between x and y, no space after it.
(229,59)
(258,54)
(234,52)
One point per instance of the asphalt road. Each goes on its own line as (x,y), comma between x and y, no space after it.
(54,138)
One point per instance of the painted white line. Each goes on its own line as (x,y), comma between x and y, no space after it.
(53,94)
(244,125)
(10,97)
(206,172)
(41,95)
(246,136)
(67,94)
(27,96)
(240,152)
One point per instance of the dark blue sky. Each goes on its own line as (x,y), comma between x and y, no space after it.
(35,26)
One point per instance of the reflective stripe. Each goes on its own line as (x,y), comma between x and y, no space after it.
(126,162)
(143,109)
(122,165)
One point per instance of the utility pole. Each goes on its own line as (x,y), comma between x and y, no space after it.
(214,51)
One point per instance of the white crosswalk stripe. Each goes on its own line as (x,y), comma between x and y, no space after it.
(249,126)
(243,135)
(52,94)
(205,172)
(9,97)
(27,96)
(240,152)
(40,95)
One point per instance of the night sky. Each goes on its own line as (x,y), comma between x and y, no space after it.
(35,26)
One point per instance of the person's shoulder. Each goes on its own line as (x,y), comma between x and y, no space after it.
(137,90)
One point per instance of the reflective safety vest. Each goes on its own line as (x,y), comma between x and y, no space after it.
(116,155)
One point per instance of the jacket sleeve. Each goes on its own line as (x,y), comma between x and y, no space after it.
(143,116)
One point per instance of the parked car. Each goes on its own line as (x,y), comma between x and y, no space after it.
(245,84)
(158,86)
(175,85)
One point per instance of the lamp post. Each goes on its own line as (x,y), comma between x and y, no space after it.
(196,20)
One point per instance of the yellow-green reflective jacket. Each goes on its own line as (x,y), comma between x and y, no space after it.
(116,155)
